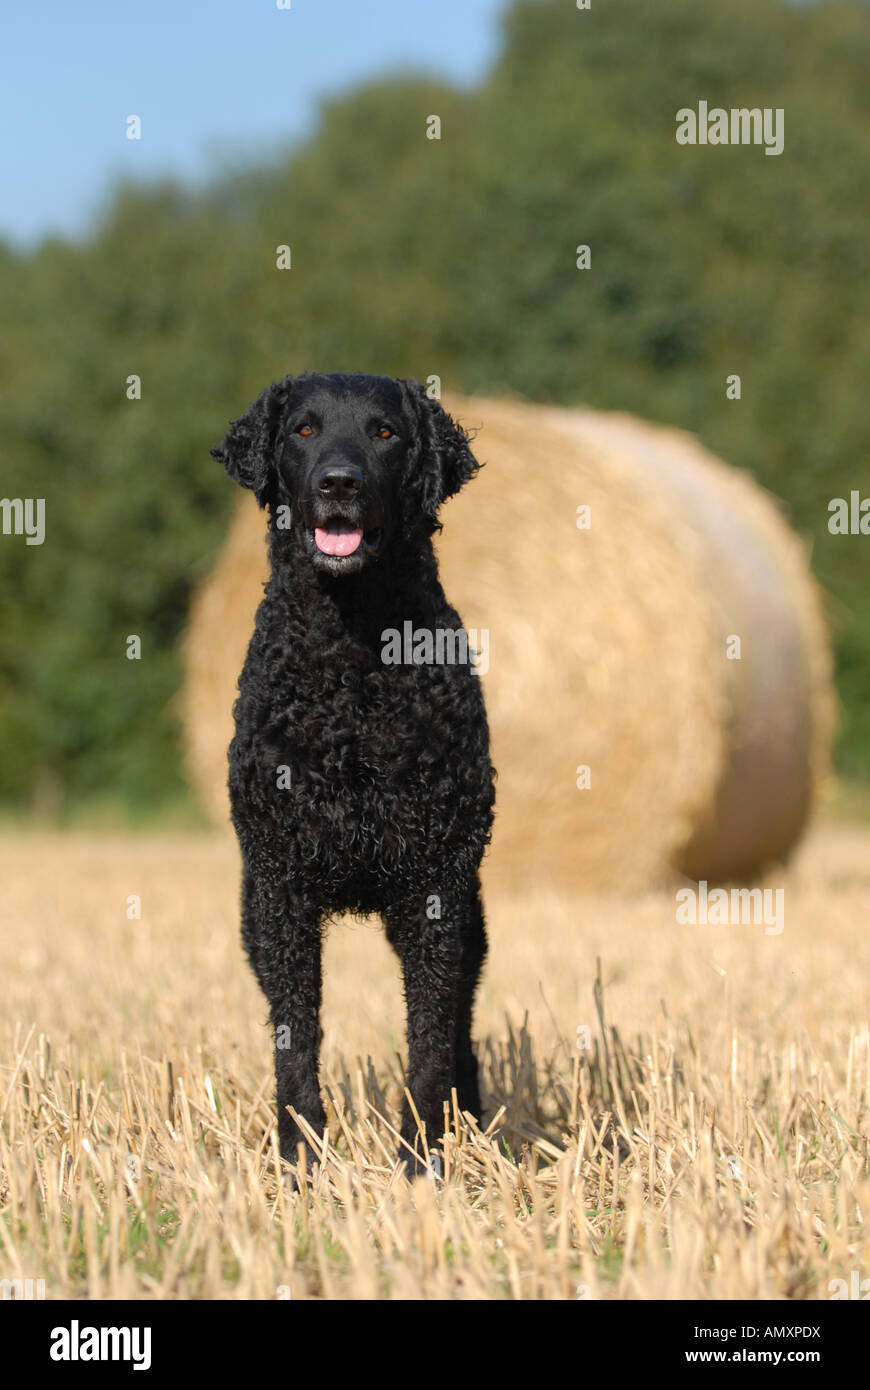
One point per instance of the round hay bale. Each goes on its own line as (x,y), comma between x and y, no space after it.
(627,741)
(779,707)
(215,646)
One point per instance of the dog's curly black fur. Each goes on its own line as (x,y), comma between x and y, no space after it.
(358,785)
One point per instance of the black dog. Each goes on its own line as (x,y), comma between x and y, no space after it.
(358,784)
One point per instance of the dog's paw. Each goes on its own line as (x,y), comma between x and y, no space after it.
(296,1176)
(294,1181)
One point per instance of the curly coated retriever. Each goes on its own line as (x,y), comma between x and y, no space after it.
(360,776)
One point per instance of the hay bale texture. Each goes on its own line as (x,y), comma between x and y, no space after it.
(611,649)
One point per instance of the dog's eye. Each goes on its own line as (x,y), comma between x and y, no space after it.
(305,430)
(384,432)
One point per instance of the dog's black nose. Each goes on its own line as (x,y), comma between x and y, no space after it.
(340,482)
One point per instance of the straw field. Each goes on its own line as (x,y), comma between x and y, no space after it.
(715,1147)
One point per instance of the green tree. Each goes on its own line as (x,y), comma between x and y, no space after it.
(454,256)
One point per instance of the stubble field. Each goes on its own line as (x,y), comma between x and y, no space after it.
(710,1141)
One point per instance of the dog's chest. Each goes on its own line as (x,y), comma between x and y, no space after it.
(357,729)
(367,775)
(364,778)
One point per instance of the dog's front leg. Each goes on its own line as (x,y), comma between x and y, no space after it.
(427,936)
(289,969)
(473,938)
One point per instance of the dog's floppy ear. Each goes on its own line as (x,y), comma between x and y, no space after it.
(251,445)
(441,460)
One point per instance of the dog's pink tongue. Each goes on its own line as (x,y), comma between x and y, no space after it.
(337,540)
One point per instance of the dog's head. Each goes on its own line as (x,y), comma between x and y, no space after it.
(360,461)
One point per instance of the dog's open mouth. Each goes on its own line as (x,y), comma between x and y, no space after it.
(340,539)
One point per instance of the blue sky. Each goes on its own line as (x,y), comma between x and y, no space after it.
(214,81)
